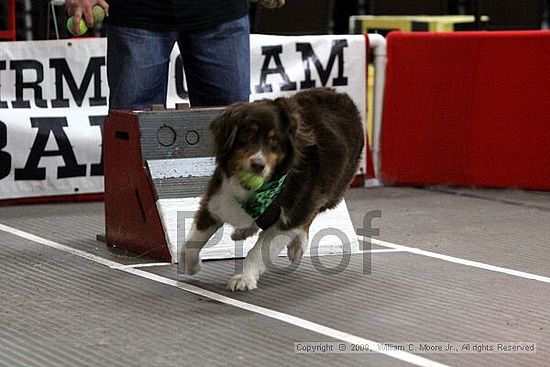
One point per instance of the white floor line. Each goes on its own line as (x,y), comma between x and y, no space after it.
(143,265)
(379,251)
(457,260)
(372,251)
(276,315)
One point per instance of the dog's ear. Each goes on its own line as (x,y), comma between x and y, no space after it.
(291,115)
(224,128)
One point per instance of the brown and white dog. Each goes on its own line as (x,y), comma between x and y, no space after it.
(314,137)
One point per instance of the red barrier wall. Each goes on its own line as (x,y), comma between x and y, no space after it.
(467,109)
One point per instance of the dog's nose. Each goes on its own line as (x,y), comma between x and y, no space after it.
(257,162)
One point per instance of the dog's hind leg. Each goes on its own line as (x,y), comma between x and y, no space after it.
(204,227)
(269,245)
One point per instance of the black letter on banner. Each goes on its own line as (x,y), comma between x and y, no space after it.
(180,79)
(3,104)
(20,85)
(273,52)
(47,125)
(337,50)
(62,71)
(97,169)
(5,157)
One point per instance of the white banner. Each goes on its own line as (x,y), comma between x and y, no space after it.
(53,100)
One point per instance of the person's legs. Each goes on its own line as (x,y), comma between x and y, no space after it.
(137,66)
(217,63)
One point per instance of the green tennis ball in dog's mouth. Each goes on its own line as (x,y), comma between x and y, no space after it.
(250,180)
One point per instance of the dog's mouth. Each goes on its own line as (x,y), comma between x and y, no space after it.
(258,168)
(258,163)
(254,166)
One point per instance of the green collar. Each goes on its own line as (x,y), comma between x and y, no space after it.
(261,198)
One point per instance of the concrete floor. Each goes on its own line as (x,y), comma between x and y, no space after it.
(448,265)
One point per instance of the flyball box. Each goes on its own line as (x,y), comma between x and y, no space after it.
(157,164)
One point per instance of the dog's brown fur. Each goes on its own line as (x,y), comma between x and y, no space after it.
(321,137)
(315,137)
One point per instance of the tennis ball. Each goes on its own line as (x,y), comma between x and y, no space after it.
(83,28)
(250,180)
(99,14)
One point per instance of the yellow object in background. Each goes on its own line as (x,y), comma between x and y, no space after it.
(370,103)
(408,23)
(383,24)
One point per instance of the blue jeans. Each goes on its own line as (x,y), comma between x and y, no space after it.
(216,63)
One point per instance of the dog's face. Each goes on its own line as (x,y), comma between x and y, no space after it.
(257,136)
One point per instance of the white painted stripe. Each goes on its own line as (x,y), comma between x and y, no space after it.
(379,251)
(457,260)
(143,265)
(58,246)
(373,251)
(276,315)
(182,167)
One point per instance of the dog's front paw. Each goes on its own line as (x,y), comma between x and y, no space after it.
(295,249)
(239,282)
(190,262)
(243,233)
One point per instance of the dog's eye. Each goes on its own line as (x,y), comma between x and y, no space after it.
(273,142)
(242,139)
